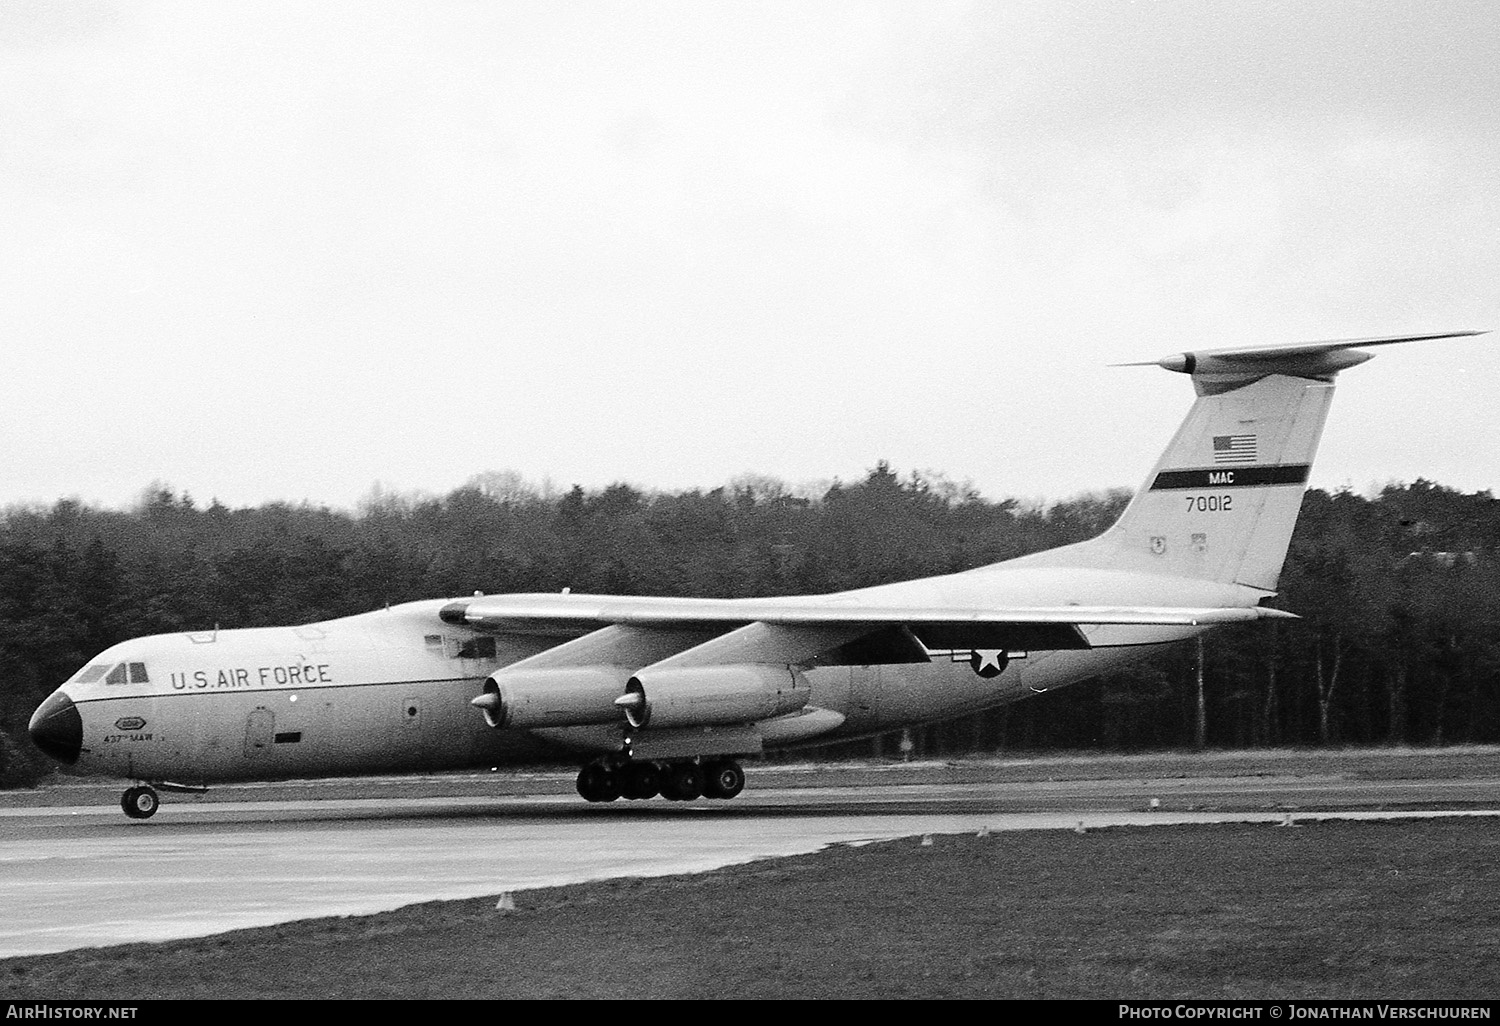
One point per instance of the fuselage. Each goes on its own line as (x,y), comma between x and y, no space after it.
(392,689)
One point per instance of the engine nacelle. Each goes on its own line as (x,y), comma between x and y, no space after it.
(703,695)
(563,697)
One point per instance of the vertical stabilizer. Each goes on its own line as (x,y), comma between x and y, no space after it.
(1223,499)
(1221,502)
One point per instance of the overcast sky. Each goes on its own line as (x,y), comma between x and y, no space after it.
(266,250)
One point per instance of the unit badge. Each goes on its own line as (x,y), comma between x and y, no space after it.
(1158,544)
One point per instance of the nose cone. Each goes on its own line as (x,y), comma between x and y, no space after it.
(57,729)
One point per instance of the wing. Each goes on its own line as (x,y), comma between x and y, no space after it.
(727,674)
(808,629)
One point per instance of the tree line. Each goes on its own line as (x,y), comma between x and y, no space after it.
(1399,640)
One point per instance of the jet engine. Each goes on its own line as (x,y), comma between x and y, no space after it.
(704,695)
(562,697)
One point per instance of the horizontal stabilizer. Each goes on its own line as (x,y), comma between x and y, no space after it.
(1218,370)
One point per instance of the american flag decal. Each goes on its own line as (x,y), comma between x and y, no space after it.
(1234,448)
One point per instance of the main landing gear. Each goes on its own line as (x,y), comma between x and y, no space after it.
(140,802)
(676,781)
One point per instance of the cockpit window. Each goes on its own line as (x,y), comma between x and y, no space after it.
(119,673)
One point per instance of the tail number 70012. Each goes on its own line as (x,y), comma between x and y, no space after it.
(1209,503)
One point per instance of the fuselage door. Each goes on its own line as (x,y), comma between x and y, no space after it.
(413,729)
(411,714)
(260,732)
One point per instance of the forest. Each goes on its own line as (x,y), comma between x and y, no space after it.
(1399,640)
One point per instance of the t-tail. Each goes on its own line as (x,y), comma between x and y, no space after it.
(1222,501)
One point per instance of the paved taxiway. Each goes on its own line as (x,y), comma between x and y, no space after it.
(83,875)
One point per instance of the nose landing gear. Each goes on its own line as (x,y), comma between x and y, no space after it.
(140,802)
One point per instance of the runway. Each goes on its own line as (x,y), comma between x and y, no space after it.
(81,875)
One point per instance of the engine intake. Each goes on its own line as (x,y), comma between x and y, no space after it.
(563,697)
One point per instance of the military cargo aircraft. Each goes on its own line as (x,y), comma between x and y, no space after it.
(664,696)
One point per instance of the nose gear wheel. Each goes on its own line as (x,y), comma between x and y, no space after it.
(140,802)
